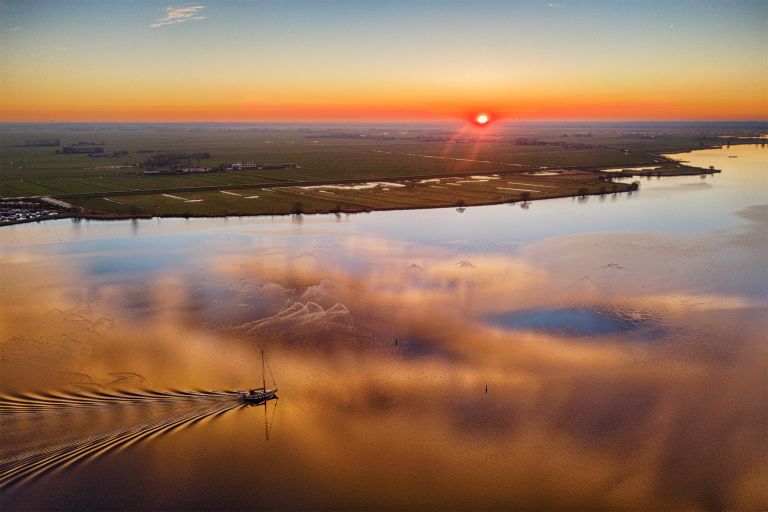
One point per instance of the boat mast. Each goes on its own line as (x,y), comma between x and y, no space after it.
(263,376)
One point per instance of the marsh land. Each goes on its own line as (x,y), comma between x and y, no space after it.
(188,170)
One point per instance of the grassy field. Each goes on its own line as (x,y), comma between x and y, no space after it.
(328,154)
(427,193)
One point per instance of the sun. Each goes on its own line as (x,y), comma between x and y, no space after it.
(482,119)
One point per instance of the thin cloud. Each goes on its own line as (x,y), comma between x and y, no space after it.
(174,15)
(14,29)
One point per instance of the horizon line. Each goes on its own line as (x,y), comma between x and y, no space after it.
(383,121)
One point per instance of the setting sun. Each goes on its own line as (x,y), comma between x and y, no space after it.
(482,119)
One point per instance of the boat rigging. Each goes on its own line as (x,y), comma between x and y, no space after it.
(262,394)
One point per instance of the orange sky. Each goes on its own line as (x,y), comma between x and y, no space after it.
(233,61)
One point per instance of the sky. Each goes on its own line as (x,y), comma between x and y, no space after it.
(284,60)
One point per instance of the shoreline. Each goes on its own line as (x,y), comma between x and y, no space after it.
(667,167)
(624,188)
(346,211)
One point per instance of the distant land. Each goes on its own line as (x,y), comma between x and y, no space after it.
(116,170)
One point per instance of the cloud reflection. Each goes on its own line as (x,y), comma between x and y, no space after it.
(384,349)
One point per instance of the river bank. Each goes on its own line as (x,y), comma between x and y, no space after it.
(363,196)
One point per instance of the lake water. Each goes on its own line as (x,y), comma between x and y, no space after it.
(621,341)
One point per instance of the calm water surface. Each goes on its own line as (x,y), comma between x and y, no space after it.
(622,341)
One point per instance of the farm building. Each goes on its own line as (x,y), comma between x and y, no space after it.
(263,165)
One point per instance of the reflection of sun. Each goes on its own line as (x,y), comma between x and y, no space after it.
(482,118)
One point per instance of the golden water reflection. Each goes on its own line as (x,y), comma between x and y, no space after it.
(624,369)
(383,349)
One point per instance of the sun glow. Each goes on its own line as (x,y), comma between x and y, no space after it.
(482,119)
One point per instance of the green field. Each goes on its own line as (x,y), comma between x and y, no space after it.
(323,153)
(334,198)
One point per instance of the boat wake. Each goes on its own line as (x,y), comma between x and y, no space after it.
(61,401)
(20,414)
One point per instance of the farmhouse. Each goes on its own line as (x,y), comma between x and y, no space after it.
(263,165)
(42,142)
(81,149)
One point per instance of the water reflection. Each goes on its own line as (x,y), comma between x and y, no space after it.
(582,321)
(623,371)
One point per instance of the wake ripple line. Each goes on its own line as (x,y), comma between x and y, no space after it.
(44,402)
(16,470)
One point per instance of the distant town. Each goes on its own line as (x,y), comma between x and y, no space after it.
(16,211)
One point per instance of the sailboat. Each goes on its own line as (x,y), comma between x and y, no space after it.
(258,395)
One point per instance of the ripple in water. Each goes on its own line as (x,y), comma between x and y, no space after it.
(161,412)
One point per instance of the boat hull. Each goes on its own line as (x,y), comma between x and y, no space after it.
(258,396)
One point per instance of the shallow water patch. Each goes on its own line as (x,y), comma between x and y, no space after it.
(581,321)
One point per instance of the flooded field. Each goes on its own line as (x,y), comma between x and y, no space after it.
(595,353)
